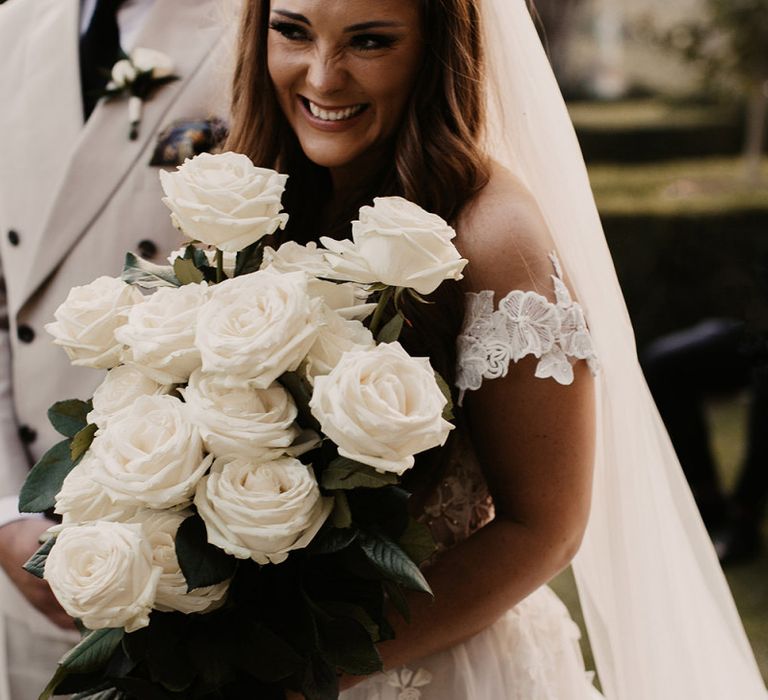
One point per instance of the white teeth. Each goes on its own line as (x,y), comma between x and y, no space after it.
(334,116)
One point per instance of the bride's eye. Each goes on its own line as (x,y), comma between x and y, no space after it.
(290,30)
(372,42)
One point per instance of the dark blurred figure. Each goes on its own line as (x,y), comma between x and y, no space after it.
(683,369)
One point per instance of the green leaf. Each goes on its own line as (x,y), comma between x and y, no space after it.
(446,391)
(44,481)
(392,561)
(93,651)
(345,474)
(82,441)
(332,540)
(36,563)
(340,609)
(186,272)
(281,661)
(301,392)
(249,259)
(417,541)
(397,598)
(60,674)
(346,645)
(392,329)
(69,417)
(320,680)
(147,274)
(202,564)
(341,517)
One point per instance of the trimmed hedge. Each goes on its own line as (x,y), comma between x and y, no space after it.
(678,270)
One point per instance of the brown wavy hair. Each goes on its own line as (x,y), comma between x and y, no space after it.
(436,158)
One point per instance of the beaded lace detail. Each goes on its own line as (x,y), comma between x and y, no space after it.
(525,323)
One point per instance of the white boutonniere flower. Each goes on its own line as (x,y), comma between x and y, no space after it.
(138,75)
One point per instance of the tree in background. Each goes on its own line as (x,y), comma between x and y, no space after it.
(554,19)
(730,43)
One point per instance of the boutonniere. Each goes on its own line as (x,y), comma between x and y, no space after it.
(138,75)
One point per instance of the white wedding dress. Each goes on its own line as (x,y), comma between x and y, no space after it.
(532,652)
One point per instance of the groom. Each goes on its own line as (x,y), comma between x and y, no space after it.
(75,194)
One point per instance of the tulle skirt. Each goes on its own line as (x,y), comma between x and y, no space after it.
(531,653)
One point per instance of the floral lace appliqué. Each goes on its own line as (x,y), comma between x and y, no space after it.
(408,682)
(526,323)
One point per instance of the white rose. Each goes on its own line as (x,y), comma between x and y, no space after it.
(261,511)
(160,333)
(152,61)
(293,257)
(82,499)
(120,388)
(336,337)
(160,528)
(151,455)
(87,320)
(347,298)
(103,574)
(256,327)
(123,73)
(399,244)
(224,200)
(241,421)
(381,407)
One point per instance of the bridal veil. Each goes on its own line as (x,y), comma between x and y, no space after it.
(661,619)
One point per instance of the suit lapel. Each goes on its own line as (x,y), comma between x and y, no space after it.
(103,154)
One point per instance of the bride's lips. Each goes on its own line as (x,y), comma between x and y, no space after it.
(329,125)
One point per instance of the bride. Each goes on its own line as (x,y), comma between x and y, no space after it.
(451,104)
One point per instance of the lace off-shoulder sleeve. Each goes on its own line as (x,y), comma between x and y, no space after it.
(525,323)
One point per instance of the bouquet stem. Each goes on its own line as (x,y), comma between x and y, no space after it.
(219,265)
(381,307)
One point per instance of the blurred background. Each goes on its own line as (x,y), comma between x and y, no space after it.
(669,99)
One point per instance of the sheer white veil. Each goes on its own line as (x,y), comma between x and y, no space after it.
(661,619)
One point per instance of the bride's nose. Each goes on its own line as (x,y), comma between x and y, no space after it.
(326,73)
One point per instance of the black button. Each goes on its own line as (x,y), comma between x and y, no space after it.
(147,249)
(27,435)
(25,334)
(13,237)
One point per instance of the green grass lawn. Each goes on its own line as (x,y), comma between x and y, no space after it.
(650,113)
(711,185)
(749,582)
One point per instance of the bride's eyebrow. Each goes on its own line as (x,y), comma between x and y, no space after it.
(293,15)
(361,27)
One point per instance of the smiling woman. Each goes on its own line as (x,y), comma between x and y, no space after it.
(356,103)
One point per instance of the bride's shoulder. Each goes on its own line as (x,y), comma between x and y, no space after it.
(502,233)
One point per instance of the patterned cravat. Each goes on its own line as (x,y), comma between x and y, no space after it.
(99,51)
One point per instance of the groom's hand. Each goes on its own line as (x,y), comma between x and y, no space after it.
(19,540)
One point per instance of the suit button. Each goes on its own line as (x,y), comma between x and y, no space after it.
(13,237)
(147,249)
(27,435)
(25,334)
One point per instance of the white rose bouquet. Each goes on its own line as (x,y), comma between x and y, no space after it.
(233,522)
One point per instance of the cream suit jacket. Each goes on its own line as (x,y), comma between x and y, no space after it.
(73,199)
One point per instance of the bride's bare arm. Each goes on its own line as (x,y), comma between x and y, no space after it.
(535,441)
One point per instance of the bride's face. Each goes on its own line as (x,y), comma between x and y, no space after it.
(343,71)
